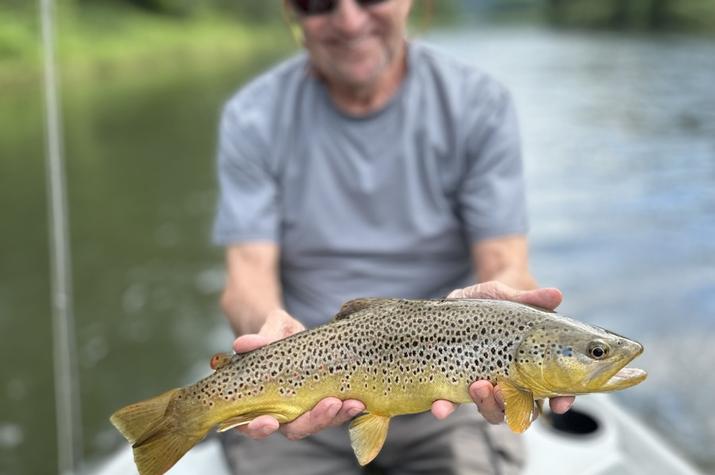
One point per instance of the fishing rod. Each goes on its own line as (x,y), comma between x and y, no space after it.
(66,378)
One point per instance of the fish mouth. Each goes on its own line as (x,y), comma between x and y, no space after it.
(625,378)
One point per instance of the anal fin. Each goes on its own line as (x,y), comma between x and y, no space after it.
(367,435)
(519,406)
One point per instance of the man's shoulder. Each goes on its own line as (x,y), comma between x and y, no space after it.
(266,88)
(455,75)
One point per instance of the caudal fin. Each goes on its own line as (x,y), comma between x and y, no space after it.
(160,431)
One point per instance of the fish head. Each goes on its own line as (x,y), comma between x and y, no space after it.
(561,356)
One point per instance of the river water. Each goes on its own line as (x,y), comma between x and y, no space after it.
(619,137)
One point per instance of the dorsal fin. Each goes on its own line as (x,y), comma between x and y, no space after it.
(355,305)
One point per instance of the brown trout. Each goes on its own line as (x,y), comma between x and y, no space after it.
(397,356)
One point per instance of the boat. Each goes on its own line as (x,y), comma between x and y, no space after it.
(596,437)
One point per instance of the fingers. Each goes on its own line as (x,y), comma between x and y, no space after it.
(460,293)
(327,413)
(312,421)
(350,409)
(260,427)
(441,409)
(246,343)
(279,324)
(489,402)
(548,298)
(561,404)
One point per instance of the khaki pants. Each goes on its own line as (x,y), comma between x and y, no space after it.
(464,444)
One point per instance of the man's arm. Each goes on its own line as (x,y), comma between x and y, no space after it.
(252,286)
(504,259)
(252,304)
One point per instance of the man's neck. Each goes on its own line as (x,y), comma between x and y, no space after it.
(363,101)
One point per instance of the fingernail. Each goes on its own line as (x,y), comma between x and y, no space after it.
(354,411)
(266,431)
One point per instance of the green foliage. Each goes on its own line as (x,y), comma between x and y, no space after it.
(171,7)
(694,15)
(653,15)
(15,38)
(258,11)
(253,10)
(435,12)
(118,38)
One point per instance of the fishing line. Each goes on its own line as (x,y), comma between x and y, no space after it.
(66,380)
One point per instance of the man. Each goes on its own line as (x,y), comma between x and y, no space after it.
(369,167)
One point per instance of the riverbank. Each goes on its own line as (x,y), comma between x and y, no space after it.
(115,39)
(112,41)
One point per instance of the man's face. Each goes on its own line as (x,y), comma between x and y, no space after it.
(352,45)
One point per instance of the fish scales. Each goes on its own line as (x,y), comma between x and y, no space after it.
(397,356)
(392,351)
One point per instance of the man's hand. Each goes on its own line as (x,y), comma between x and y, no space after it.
(488,398)
(329,412)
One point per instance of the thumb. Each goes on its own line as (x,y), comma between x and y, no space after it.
(250,342)
(279,324)
(548,298)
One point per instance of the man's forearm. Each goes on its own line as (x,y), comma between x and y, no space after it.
(513,277)
(247,305)
(253,289)
(505,260)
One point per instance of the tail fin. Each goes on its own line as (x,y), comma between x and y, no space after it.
(160,431)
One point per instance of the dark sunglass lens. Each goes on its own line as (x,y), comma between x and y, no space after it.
(367,3)
(314,7)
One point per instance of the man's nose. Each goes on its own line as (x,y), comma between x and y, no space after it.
(349,18)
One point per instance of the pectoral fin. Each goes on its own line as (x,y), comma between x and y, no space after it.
(242,419)
(233,423)
(367,434)
(519,406)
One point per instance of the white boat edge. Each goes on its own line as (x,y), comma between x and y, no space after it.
(621,446)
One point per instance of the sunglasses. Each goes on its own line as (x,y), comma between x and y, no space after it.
(321,7)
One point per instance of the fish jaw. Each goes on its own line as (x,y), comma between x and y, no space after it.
(556,360)
(624,378)
(621,377)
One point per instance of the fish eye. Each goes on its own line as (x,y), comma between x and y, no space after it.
(597,350)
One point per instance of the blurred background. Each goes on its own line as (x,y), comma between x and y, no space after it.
(617,107)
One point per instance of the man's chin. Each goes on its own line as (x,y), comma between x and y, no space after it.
(361,76)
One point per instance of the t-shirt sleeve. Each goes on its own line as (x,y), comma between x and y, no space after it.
(247,204)
(492,194)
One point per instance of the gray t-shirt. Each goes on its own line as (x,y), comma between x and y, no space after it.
(381,205)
